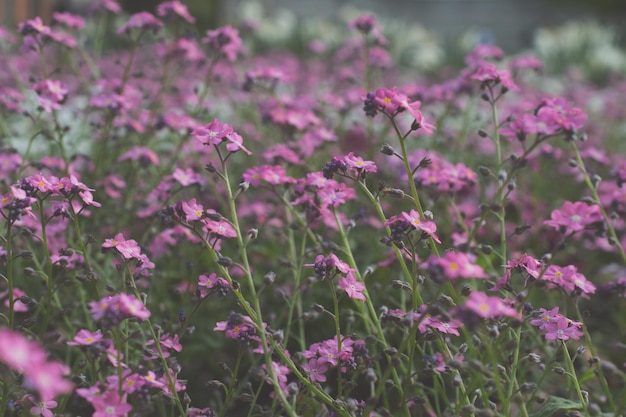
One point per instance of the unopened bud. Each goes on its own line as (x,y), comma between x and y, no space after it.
(269,278)
(386,149)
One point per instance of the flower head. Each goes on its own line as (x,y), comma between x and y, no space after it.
(489,307)
(574,217)
(352,287)
(426,226)
(141,20)
(175,9)
(225,41)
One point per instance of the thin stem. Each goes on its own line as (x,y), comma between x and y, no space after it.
(596,198)
(157,342)
(572,374)
(10,274)
(337,330)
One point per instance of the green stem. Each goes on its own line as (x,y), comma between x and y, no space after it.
(157,344)
(337,330)
(596,199)
(231,389)
(251,288)
(592,352)
(572,374)
(10,274)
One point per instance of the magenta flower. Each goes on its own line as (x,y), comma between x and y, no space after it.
(364,24)
(144,155)
(186,177)
(426,226)
(192,210)
(141,20)
(560,112)
(34,27)
(211,134)
(272,174)
(43,408)
(525,264)
(574,217)
(110,404)
(489,74)
(563,329)
(131,307)
(48,379)
(324,266)
(358,165)
(455,265)
(108,5)
(85,338)
(175,9)
(489,307)
(19,353)
(214,283)
(220,228)
(545,317)
(51,94)
(68,19)
(352,287)
(316,370)
(225,41)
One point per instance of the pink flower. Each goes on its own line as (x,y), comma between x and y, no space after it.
(34,27)
(316,370)
(426,226)
(560,112)
(488,73)
(545,317)
(489,307)
(352,287)
(42,408)
(18,352)
(574,217)
(193,211)
(141,20)
(48,379)
(211,134)
(526,263)
(358,165)
(274,175)
(455,265)
(142,154)
(225,41)
(175,9)
(68,19)
(219,228)
(129,249)
(563,329)
(186,177)
(131,307)
(85,338)
(324,266)
(110,404)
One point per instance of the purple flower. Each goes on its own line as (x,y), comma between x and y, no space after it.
(316,370)
(574,217)
(563,329)
(352,287)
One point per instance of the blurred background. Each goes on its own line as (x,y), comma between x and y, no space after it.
(586,36)
(510,24)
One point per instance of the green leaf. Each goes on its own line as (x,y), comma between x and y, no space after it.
(556,404)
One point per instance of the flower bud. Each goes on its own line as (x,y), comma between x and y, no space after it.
(386,149)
